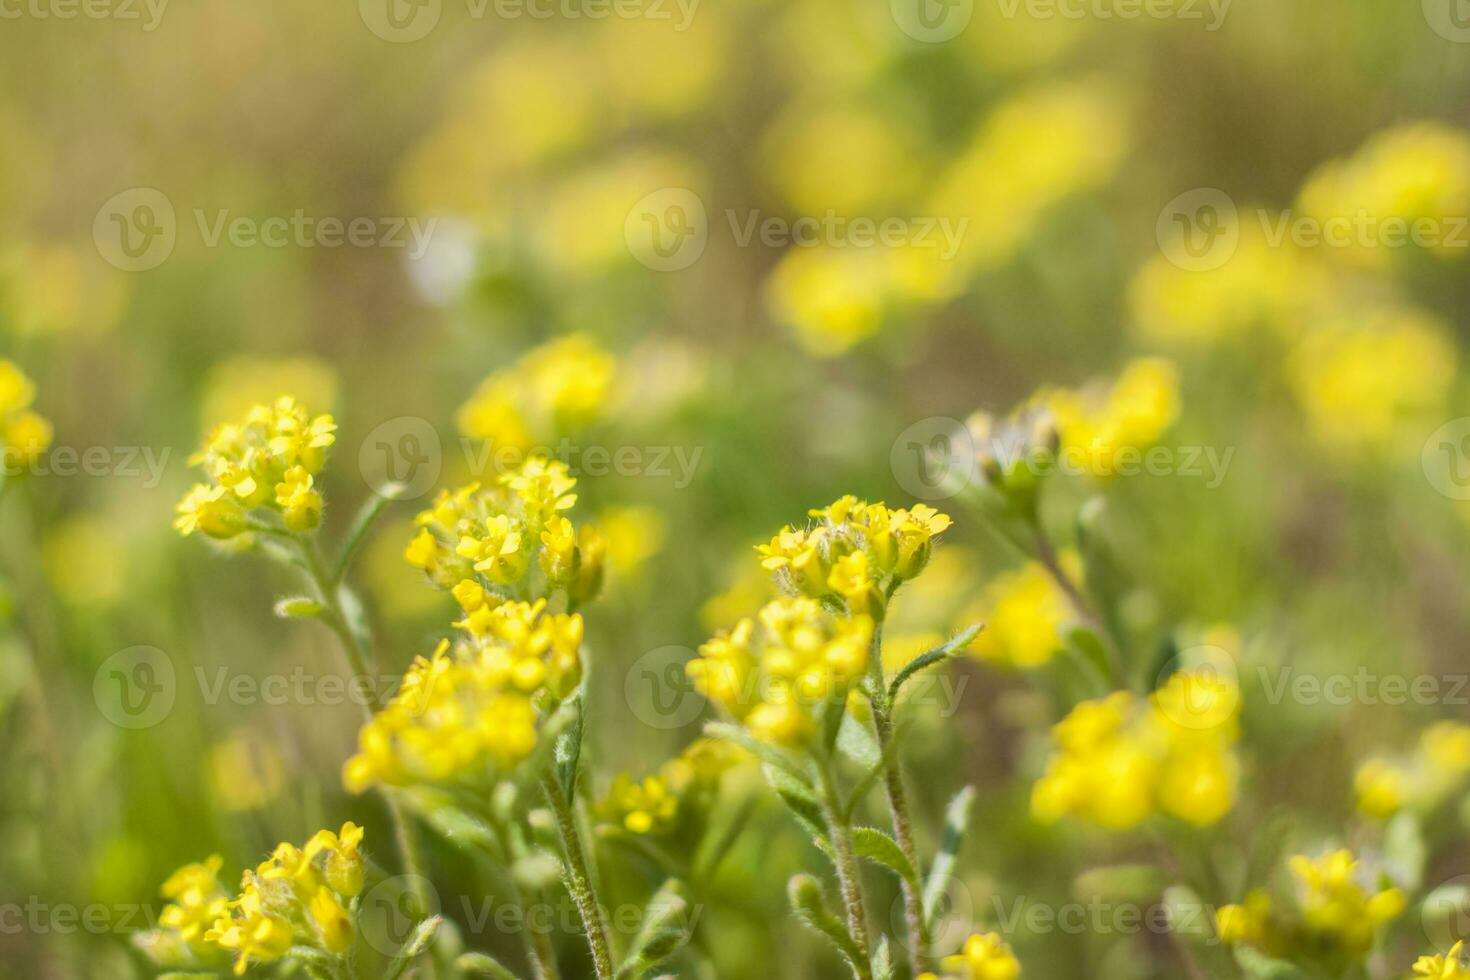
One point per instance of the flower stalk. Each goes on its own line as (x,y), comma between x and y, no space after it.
(578,876)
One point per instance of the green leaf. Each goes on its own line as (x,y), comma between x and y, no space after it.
(876,846)
(811,908)
(941,872)
(413,947)
(857,741)
(940,653)
(484,965)
(1259,966)
(870,778)
(537,869)
(569,747)
(458,826)
(763,751)
(801,800)
(665,929)
(883,961)
(299,607)
(833,712)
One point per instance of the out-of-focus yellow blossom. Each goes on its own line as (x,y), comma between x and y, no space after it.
(748,587)
(856,552)
(633,535)
(1024,613)
(86,560)
(1449,966)
(1034,151)
(1101,428)
(246,772)
(1435,771)
(534,99)
(196,900)
(24,435)
(1336,905)
(660,68)
(1372,381)
(471,713)
(833,297)
(985,956)
(264,462)
(58,289)
(555,389)
(1261,285)
(663,802)
(1249,923)
(508,541)
(774,672)
(232,387)
(1417,174)
(843,159)
(585,231)
(1120,761)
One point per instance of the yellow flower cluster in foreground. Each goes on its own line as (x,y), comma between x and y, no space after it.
(660,803)
(1445,967)
(1435,771)
(555,389)
(1120,760)
(266,462)
(856,552)
(24,435)
(774,672)
(1334,903)
(300,896)
(470,713)
(983,957)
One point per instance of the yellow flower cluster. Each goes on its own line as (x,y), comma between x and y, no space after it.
(1332,905)
(1444,967)
(1374,380)
(774,672)
(24,435)
(1024,613)
(1119,761)
(1101,428)
(267,461)
(510,540)
(474,711)
(662,802)
(1432,774)
(1415,173)
(555,389)
(300,896)
(856,552)
(983,957)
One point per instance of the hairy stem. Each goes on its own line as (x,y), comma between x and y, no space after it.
(579,880)
(839,834)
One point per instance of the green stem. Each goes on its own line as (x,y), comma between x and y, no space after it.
(579,880)
(839,835)
(329,595)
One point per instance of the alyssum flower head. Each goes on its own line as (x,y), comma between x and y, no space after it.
(265,463)
(681,790)
(855,553)
(512,540)
(474,712)
(776,672)
(983,957)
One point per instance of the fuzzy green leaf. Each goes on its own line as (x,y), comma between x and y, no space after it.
(480,963)
(940,653)
(878,847)
(414,947)
(941,872)
(811,908)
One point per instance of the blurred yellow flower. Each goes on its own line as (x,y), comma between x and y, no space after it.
(1437,770)
(1371,381)
(1449,966)
(86,560)
(844,158)
(1024,613)
(985,956)
(1101,428)
(24,435)
(233,386)
(60,289)
(633,535)
(553,390)
(246,771)
(1337,906)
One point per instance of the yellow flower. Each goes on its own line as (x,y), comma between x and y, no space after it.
(333,924)
(1444,967)
(251,932)
(1423,780)
(1024,613)
(24,435)
(212,511)
(1371,381)
(772,673)
(1246,924)
(633,535)
(556,389)
(197,900)
(1100,429)
(246,772)
(1380,787)
(1336,906)
(300,503)
(640,807)
(343,860)
(984,957)
(232,387)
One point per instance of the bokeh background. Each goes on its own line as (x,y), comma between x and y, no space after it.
(591,176)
